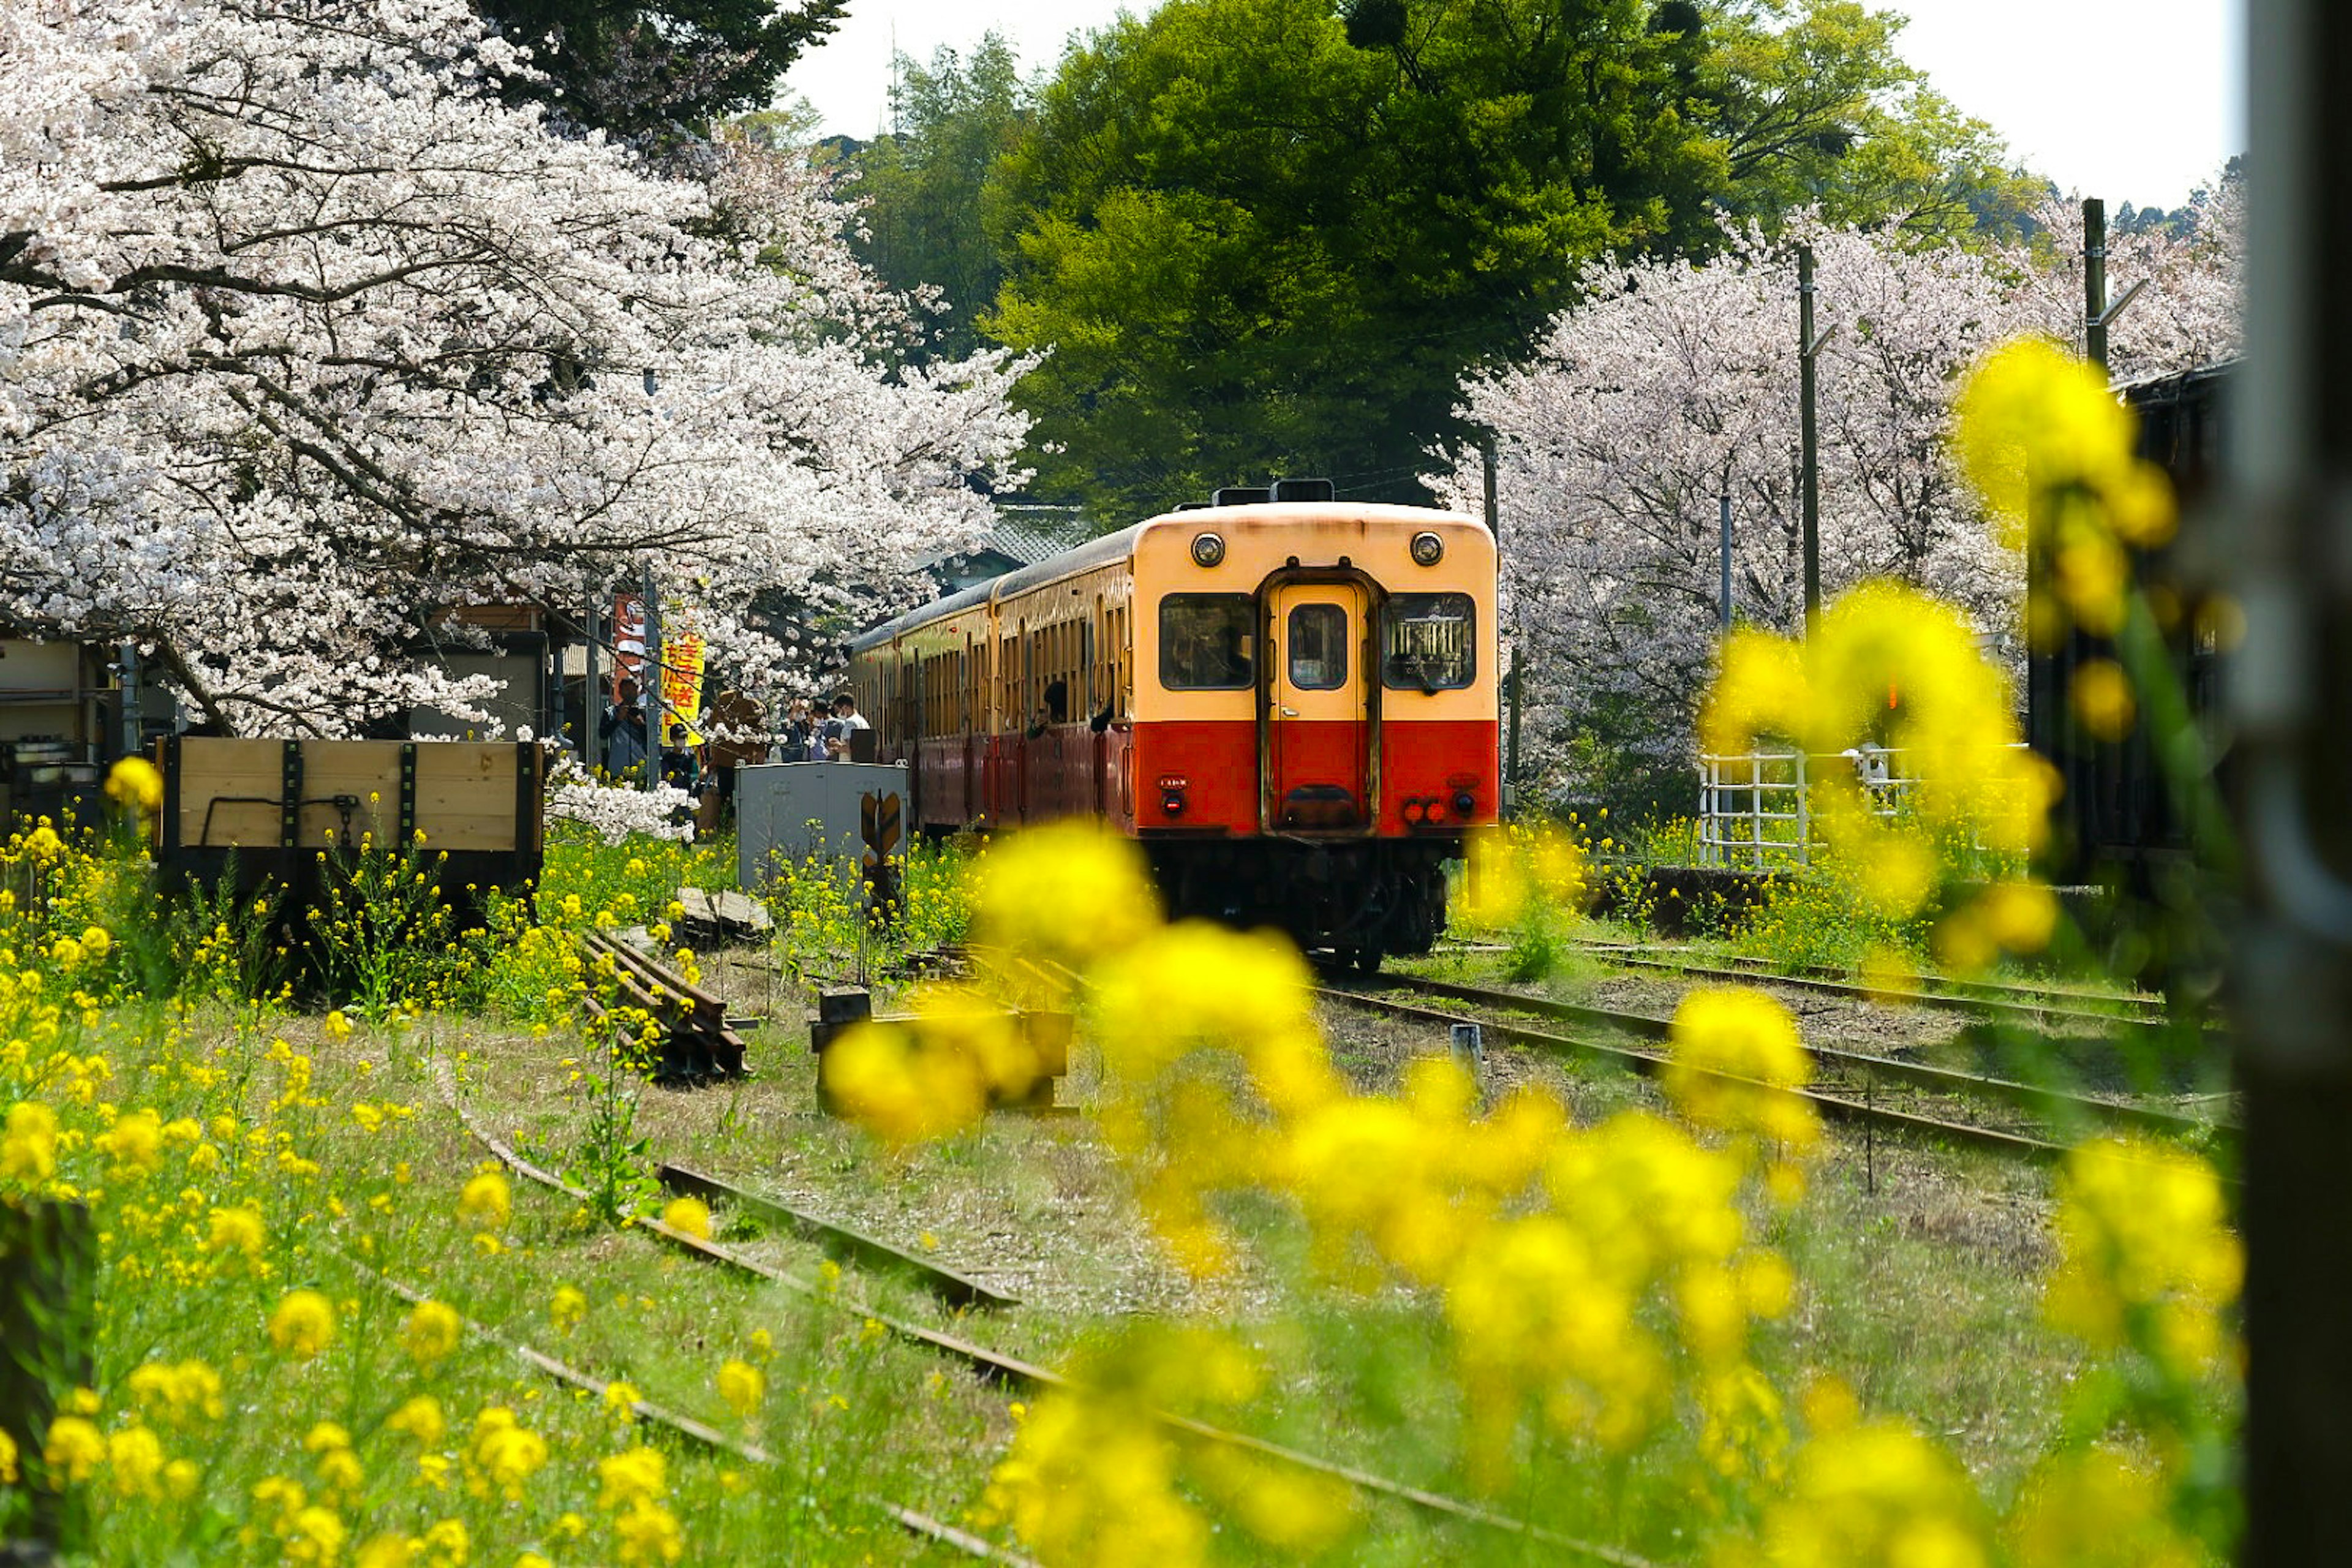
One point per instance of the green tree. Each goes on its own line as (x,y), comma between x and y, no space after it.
(1265,236)
(1257,246)
(640,68)
(923,184)
(1817,106)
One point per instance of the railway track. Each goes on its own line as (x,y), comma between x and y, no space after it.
(2027,1005)
(699,1432)
(2059,1108)
(997,1366)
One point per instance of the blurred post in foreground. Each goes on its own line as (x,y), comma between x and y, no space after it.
(2288,550)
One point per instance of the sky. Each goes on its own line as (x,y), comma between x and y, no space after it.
(2164,107)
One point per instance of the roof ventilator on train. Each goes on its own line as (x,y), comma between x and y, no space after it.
(1274,494)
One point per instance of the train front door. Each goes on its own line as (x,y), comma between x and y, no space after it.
(1319,740)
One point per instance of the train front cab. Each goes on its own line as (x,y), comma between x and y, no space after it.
(1314,706)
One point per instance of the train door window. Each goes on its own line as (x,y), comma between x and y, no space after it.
(1317,646)
(1206,641)
(1428,642)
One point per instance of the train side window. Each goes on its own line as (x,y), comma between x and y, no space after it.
(1428,642)
(1205,641)
(1319,647)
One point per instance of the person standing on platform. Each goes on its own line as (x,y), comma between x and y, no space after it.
(839,730)
(625,731)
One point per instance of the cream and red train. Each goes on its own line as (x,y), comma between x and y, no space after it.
(1290,704)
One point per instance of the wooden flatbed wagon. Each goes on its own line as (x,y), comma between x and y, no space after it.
(272,812)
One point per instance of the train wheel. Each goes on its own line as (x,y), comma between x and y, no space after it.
(1366,960)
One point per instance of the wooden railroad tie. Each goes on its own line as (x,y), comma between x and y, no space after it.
(697,1046)
(841,1009)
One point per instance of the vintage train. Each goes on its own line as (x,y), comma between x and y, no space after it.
(2115,822)
(1287,701)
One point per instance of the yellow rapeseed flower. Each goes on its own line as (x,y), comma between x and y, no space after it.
(136,785)
(432,1331)
(28,1145)
(567,1308)
(2096,1509)
(486,1201)
(420,1416)
(742,1385)
(1751,1041)
(303,1324)
(649,1533)
(75,1448)
(135,1461)
(235,1230)
(315,1536)
(1875,1493)
(639,1475)
(2147,1255)
(691,1216)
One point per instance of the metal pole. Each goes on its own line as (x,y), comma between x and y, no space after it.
(1486,462)
(2094,280)
(649,688)
(1808,437)
(1724,519)
(2287,532)
(1511,767)
(591,701)
(133,719)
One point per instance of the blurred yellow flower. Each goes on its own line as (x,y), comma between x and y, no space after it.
(691,1216)
(135,784)
(135,1460)
(2101,697)
(486,1201)
(420,1417)
(28,1146)
(743,1386)
(303,1324)
(2147,1256)
(639,1475)
(432,1331)
(74,1449)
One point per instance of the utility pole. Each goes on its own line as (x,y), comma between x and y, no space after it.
(1724,518)
(1511,679)
(1809,457)
(592,705)
(2288,531)
(2098,314)
(649,685)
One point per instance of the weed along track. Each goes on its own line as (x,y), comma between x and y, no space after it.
(1932,1088)
(700,1432)
(996,1366)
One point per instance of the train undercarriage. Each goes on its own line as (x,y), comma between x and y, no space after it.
(1359,900)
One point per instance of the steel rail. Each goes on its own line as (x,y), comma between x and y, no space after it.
(1650,1063)
(837,1240)
(699,1431)
(2140,1001)
(997,1366)
(2051,1104)
(2034,1015)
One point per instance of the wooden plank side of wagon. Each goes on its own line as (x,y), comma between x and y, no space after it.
(230,791)
(465,795)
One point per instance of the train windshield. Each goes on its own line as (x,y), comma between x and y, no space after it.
(1205,641)
(1426,641)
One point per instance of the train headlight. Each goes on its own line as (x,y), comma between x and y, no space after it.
(1208,549)
(1428,549)
(1413,808)
(1171,797)
(1464,802)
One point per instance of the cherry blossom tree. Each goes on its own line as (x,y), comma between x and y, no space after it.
(1673,383)
(305,336)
